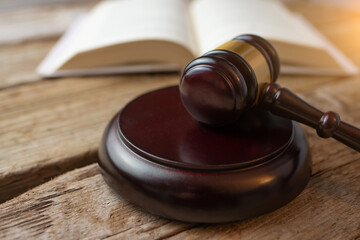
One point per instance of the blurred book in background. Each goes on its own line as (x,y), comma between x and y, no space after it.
(132,36)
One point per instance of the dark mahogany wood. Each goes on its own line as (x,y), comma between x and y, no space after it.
(154,154)
(266,49)
(283,102)
(220,86)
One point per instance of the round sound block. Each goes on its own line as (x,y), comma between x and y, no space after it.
(157,157)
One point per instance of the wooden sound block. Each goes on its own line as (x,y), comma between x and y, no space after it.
(156,156)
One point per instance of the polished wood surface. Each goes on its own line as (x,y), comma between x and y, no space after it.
(53,127)
(155,155)
(221,86)
(218,87)
(157,126)
(284,103)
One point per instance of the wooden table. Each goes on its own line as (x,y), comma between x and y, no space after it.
(50,186)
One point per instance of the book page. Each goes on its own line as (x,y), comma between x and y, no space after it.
(114,22)
(297,42)
(218,21)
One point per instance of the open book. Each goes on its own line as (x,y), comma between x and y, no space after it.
(164,35)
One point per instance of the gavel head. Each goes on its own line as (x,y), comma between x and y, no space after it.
(219,86)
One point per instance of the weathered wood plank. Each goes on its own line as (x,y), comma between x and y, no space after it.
(11,4)
(327,209)
(28,34)
(19,61)
(39,21)
(112,217)
(50,127)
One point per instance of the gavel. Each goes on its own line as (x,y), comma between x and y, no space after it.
(218,87)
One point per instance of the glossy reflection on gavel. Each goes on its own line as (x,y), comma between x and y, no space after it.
(221,85)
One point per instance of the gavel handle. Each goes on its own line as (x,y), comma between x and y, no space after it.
(285,103)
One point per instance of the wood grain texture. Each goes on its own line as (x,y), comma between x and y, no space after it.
(51,127)
(50,133)
(28,32)
(42,135)
(18,62)
(37,21)
(16,4)
(79,204)
(61,211)
(328,208)
(34,117)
